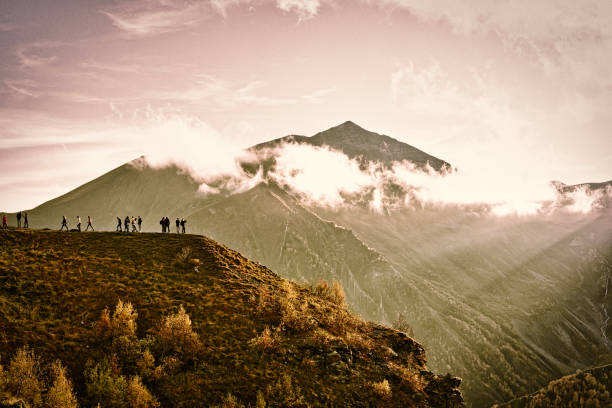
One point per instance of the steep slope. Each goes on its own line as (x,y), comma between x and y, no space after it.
(356,142)
(509,303)
(588,388)
(53,287)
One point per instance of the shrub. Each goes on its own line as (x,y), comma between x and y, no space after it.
(381,389)
(229,401)
(60,394)
(334,293)
(260,402)
(295,317)
(177,335)
(138,396)
(184,255)
(22,378)
(285,394)
(267,340)
(123,322)
(401,324)
(103,386)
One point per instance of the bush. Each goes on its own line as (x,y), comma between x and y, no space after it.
(229,401)
(177,335)
(138,396)
(22,378)
(60,394)
(381,389)
(123,322)
(104,386)
(267,340)
(285,394)
(334,293)
(401,324)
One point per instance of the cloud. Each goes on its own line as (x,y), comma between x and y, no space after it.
(151,17)
(32,55)
(24,87)
(303,8)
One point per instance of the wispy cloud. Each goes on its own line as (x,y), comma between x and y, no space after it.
(152,17)
(35,54)
(24,87)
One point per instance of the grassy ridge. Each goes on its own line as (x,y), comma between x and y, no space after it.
(254,328)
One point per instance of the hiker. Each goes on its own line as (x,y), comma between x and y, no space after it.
(162,222)
(133,224)
(79,223)
(89,224)
(126,224)
(177,225)
(183,222)
(139,224)
(19,219)
(4,220)
(25,221)
(64,223)
(167,225)
(118,224)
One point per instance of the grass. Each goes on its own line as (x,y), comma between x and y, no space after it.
(244,332)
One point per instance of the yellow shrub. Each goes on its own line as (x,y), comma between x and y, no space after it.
(138,396)
(23,378)
(60,394)
(176,333)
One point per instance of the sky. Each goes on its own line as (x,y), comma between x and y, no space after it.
(507,87)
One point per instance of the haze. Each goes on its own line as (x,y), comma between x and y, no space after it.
(519,91)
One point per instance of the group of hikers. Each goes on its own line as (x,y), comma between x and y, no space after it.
(130,221)
(78,224)
(180,224)
(122,225)
(19,216)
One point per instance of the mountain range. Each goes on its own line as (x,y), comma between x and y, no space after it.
(506,303)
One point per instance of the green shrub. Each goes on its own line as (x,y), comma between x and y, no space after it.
(138,396)
(285,394)
(105,386)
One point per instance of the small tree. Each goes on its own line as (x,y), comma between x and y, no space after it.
(138,396)
(23,378)
(60,395)
(124,320)
(177,335)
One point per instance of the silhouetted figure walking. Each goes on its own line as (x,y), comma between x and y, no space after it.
(183,222)
(126,224)
(79,223)
(133,224)
(89,224)
(139,224)
(177,225)
(162,222)
(19,219)
(118,224)
(25,221)
(167,225)
(4,220)
(64,223)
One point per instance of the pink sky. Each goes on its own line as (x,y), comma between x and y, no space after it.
(517,87)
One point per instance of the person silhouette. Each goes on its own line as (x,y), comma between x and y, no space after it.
(19,219)
(89,224)
(126,224)
(25,221)
(183,222)
(64,223)
(4,220)
(79,223)
(178,222)
(118,224)
(139,224)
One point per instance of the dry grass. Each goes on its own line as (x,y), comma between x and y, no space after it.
(124,310)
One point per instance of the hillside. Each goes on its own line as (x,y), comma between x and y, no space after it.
(248,331)
(588,388)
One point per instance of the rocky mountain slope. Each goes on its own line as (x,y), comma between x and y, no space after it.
(203,326)
(588,388)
